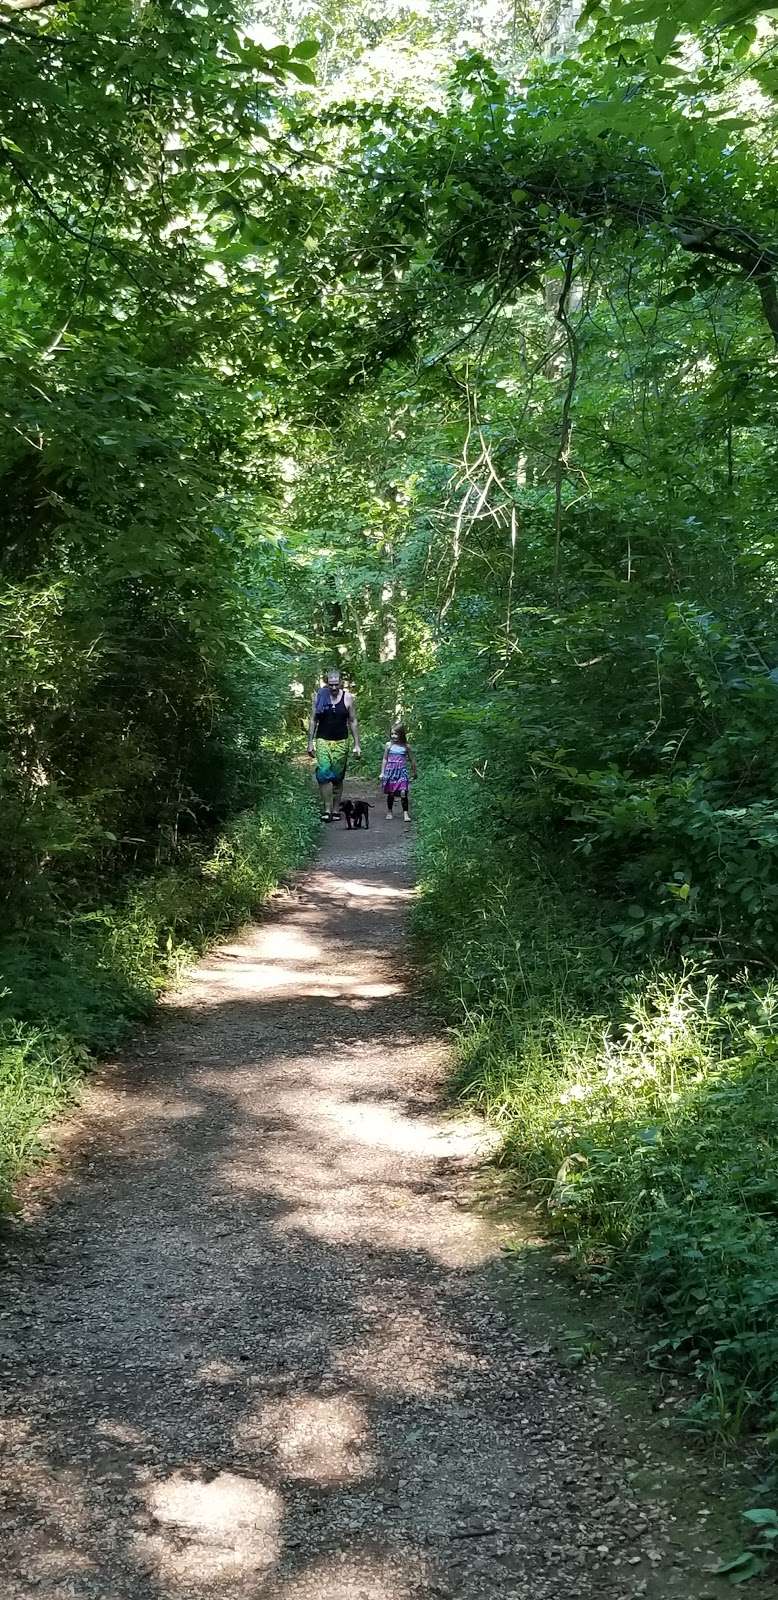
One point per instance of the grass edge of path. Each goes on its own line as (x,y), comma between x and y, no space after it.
(72,992)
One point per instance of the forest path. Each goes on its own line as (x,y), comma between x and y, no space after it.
(252,1341)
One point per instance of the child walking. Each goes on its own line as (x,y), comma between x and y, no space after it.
(397,769)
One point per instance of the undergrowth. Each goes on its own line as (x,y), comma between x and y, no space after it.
(71,990)
(637,1106)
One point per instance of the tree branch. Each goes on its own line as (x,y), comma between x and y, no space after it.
(768,295)
(89,239)
(729,242)
(562,459)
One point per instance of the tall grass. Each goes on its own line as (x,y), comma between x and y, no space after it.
(638,1108)
(74,989)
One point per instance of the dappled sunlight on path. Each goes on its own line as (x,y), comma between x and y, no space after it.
(253,1346)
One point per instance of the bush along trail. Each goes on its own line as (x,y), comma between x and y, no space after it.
(635,1109)
(437,345)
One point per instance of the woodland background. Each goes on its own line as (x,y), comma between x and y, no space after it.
(440,340)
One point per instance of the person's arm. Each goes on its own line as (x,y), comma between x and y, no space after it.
(352,722)
(312,727)
(412,761)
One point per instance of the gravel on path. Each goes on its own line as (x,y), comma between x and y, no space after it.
(252,1342)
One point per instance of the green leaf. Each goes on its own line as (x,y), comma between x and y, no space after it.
(762,1517)
(742,1568)
(729,16)
(301,71)
(305,49)
(665,35)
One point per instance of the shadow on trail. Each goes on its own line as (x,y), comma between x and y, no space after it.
(252,1347)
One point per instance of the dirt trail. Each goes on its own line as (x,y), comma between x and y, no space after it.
(251,1340)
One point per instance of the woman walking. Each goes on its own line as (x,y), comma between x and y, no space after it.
(333,717)
(397,769)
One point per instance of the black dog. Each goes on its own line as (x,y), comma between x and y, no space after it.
(354,811)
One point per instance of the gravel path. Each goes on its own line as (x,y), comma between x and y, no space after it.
(251,1339)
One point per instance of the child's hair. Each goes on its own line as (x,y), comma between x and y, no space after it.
(399,735)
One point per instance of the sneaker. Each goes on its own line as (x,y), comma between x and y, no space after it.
(406,816)
(390,816)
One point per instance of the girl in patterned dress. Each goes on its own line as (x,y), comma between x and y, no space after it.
(397,769)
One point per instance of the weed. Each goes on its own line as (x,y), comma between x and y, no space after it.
(760,1550)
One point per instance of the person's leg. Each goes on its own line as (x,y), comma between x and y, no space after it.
(339,762)
(404,804)
(322,785)
(330,772)
(389,804)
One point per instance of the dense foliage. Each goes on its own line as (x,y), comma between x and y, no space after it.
(146,646)
(135,585)
(460,366)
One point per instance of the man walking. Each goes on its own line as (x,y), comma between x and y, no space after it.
(333,717)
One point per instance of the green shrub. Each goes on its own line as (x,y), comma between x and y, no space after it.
(39,1070)
(637,1108)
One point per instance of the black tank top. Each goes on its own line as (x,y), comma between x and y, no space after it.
(332,722)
